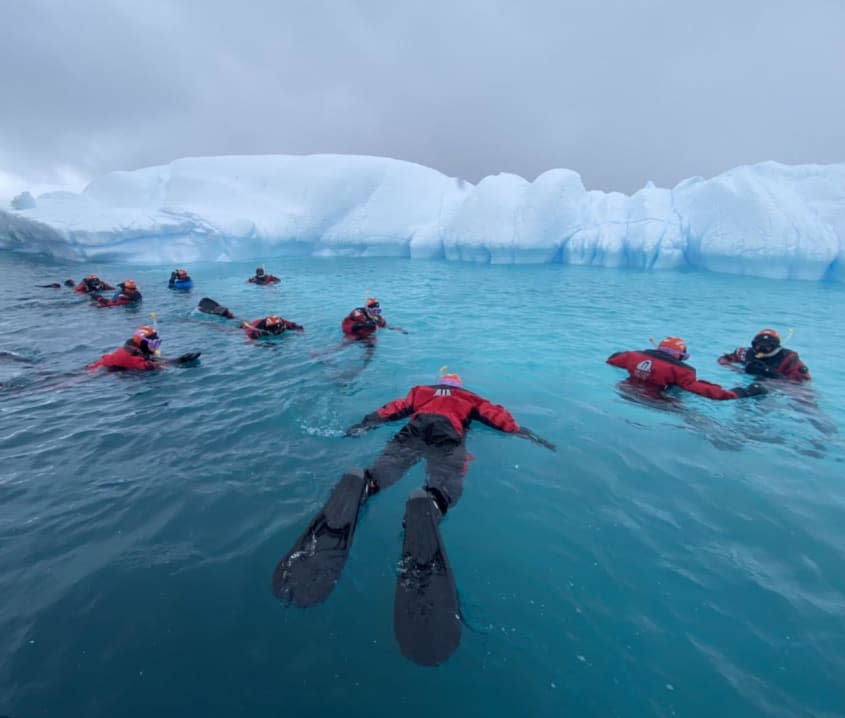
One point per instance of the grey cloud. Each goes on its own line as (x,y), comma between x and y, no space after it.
(621,92)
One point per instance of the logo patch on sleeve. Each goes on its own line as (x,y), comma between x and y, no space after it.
(643,369)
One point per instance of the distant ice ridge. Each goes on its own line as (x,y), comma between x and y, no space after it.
(769,220)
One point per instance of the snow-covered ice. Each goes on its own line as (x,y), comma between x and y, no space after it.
(769,220)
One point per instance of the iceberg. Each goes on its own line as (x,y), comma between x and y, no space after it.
(767,220)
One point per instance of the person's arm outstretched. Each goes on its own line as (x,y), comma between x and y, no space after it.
(393,410)
(737,356)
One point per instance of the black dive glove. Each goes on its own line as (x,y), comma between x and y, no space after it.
(371,421)
(530,435)
(187,358)
(753,389)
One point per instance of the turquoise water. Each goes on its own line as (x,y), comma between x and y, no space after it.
(684,559)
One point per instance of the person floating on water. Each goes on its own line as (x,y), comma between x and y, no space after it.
(56,285)
(127,293)
(179,279)
(92,284)
(361,325)
(262,278)
(363,322)
(440,416)
(664,367)
(139,353)
(768,359)
(427,621)
(271,326)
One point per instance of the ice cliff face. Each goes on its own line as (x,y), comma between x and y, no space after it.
(766,220)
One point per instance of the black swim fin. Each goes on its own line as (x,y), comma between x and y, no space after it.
(209,306)
(187,358)
(426,616)
(310,570)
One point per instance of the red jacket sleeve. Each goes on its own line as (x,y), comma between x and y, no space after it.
(689,382)
(737,356)
(495,415)
(793,368)
(294,325)
(618,359)
(398,408)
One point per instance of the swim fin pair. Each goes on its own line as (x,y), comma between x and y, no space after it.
(426,617)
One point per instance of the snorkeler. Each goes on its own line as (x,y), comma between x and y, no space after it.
(92,283)
(139,353)
(665,367)
(440,415)
(272,325)
(360,325)
(262,278)
(364,321)
(127,293)
(179,279)
(768,359)
(427,621)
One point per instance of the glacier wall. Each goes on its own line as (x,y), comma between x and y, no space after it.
(768,220)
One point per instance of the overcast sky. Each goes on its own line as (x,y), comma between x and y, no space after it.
(622,91)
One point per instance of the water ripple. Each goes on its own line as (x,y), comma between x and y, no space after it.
(669,559)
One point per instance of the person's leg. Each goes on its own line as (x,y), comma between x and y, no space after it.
(446,467)
(369,348)
(400,454)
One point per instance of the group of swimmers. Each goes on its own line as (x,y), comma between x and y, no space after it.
(438,419)
(656,369)
(440,414)
(665,366)
(141,351)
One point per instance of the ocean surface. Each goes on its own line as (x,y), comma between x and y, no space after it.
(679,558)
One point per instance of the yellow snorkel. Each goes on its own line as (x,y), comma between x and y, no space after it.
(153,316)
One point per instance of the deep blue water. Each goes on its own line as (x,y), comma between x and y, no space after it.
(676,560)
